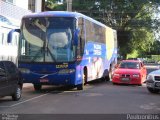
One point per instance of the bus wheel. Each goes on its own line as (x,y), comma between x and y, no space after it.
(84,81)
(80,87)
(109,76)
(37,87)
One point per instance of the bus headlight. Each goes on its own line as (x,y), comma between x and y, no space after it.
(24,70)
(66,71)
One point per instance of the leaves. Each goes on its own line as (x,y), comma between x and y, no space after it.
(138,20)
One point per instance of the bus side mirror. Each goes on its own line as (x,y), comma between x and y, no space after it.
(76,36)
(9,40)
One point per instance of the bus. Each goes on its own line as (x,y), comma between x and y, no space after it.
(64,48)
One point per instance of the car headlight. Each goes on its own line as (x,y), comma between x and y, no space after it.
(24,70)
(136,75)
(66,71)
(116,75)
(149,77)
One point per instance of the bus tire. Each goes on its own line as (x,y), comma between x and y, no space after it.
(107,78)
(37,87)
(106,75)
(103,79)
(84,80)
(80,87)
(85,76)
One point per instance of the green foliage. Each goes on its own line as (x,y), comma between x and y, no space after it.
(55,5)
(134,20)
(134,54)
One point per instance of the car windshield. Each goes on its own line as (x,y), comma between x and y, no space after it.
(47,39)
(129,65)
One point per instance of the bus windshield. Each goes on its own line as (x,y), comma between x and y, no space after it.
(47,39)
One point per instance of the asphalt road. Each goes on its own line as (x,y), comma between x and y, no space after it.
(97,98)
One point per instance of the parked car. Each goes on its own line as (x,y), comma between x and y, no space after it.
(153,81)
(130,72)
(10,80)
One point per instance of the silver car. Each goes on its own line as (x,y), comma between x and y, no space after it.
(153,81)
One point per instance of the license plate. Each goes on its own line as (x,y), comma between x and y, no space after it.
(125,79)
(43,80)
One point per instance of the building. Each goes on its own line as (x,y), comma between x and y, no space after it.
(11,12)
(15,9)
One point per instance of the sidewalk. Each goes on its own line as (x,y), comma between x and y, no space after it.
(25,85)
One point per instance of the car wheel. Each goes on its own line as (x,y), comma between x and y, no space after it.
(17,95)
(152,90)
(114,83)
(37,87)
(139,84)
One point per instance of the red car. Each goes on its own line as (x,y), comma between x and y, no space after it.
(130,72)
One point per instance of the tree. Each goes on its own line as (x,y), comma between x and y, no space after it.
(58,5)
(134,20)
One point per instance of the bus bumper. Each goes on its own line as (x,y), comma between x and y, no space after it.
(68,79)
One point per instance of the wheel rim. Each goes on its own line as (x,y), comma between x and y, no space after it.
(18,93)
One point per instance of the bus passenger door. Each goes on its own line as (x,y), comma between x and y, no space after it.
(81,49)
(81,42)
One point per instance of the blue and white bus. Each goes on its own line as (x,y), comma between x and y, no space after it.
(64,48)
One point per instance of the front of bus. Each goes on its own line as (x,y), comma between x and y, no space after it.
(47,52)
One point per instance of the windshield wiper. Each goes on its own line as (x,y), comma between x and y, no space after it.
(49,51)
(44,51)
(37,55)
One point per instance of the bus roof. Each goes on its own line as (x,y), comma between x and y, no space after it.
(63,14)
